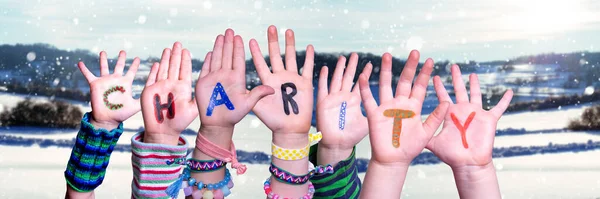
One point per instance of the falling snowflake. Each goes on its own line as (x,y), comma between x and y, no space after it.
(141,19)
(30,56)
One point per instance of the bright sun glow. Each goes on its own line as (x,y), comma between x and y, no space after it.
(546,16)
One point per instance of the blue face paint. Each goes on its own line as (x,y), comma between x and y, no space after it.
(216,102)
(343,116)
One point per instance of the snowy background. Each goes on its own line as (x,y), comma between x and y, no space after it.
(535,155)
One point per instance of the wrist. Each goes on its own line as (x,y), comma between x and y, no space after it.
(331,155)
(161,138)
(474,174)
(219,135)
(290,140)
(100,122)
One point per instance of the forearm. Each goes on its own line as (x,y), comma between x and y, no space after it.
(477,181)
(90,156)
(296,167)
(384,180)
(220,136)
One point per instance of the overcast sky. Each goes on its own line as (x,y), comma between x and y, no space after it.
(442,29)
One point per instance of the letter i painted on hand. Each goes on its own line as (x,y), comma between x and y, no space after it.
(169,106)
(288,98)
(218,90)
(398,115)
(463,128)
(342,124)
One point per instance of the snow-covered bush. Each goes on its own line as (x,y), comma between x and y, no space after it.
(43,114)
(590,120)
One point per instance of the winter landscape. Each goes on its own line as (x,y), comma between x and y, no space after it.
(547,144)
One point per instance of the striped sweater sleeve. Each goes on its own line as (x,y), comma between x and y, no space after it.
(151,174)
(343,183)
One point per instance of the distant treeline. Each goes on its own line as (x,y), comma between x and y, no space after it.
(262,158)
(554,102)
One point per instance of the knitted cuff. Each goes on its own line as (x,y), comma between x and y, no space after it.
(343,183)
(90,155)
(151,174)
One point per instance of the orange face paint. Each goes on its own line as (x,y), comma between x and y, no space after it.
(398,115)
(463,128)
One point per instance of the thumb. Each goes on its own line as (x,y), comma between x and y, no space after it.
(435,119)
(258,93)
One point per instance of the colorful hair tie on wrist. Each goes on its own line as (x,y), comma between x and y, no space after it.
(295,154)
(219,153)
(271,195)
(90,155)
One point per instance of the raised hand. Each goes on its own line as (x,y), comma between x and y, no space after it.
(467,138)
(289,110)
(339,116)
(112,100)
(221,93)
(167,104)
(468,134)
(395,129)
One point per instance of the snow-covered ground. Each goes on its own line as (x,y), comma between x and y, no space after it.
(33,172)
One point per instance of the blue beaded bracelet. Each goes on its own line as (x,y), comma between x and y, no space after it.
(224,185)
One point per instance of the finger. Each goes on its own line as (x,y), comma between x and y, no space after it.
(459,86)
(385,78)
(290,51)
(217,55)
(89,76)
(365,94)
(164,65)
(435,119)
(259,61)
(309,63)
(227,61)
(403,88)
(367,73)
(175,62)
(323,91)
(185,73)
(274,53)
(338,74)
(133,68)
(502,105)
(206,65)
(103,64)
(475,90)
(152,76)
(239,56)
(419,90)
(440,90)
(120,63)
(349,73)
(258,93)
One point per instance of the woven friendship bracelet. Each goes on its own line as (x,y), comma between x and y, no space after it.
(204,165)
(90,155)
(151,176)
(289,178)
(295,154)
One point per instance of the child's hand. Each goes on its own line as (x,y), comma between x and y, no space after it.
(395,128)
(167,104)
(289,110)
(339,116)
(112,100)
(221,93)
(468,134)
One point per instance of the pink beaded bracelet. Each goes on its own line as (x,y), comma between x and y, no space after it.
(271,195)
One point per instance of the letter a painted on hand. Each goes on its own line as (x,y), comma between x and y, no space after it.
(216,102)
(398,115)
(288,98)
(463,128)
(158,108)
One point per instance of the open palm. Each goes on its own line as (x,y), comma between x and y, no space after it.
(413,135)
(167,104)
(225,66)
(270,109)
(467,137)
(111,95)
(339,116)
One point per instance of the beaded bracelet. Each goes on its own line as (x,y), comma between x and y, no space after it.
(295,154)
(284,176)
(217,190)
(271,195)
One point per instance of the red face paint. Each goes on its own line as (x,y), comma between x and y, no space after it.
(463,128)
